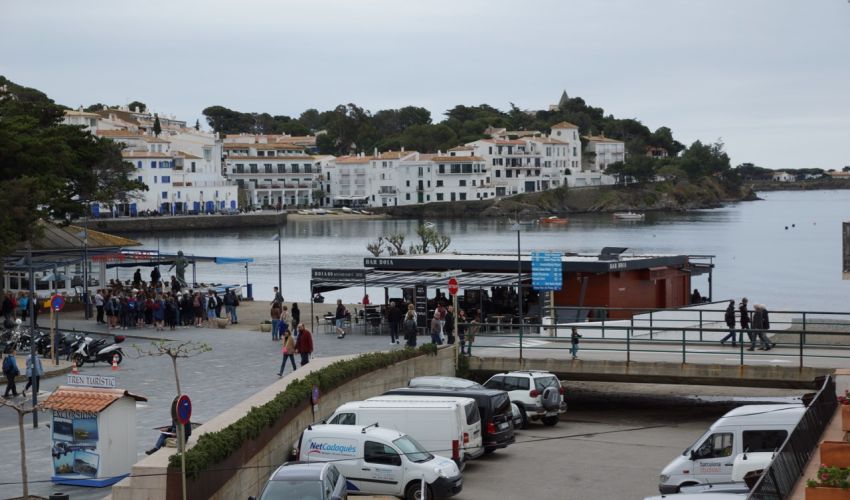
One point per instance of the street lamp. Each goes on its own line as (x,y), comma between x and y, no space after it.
(84,234)
(278,238)
(516,227)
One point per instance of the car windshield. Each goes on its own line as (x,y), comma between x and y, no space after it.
(542,383)
(412,450)
(293,490)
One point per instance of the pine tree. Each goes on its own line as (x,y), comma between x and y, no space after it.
(197,125)
(157,128)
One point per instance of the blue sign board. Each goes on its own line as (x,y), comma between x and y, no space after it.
(546,271)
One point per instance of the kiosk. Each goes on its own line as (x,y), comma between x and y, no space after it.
(94,435)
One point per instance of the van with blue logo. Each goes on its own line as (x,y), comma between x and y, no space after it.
(378,461)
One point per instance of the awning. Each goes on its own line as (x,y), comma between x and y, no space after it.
(409,279)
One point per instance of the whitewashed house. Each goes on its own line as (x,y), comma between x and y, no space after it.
(604,151)
(783,176)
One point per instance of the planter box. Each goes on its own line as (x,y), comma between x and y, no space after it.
(835,453)
(845,417)
(265,327)
(827,494)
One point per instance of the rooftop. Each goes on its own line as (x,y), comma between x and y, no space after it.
(86,399)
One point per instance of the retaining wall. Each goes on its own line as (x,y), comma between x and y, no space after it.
(152,481)
(187,222)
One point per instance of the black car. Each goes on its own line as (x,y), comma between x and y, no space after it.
(497,430)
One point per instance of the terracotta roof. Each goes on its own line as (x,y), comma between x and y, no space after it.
(462,148)
(564,125)
(151,138)
(457,159)
(508,142)
(278,145)
(144,154)
(546,140)
(99,239)
(601,138)
(119,133)
(393,155)
(188,156)
(269,158)
(73,112)
(86,399)
(354,159)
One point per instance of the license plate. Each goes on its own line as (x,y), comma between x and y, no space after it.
(503,426)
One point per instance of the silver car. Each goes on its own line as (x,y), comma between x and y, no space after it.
(305,481)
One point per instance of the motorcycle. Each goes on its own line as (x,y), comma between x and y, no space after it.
(92,351)
(69,343)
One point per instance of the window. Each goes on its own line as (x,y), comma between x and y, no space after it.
(261,153)
(154,179)
(166,179)
(462,196)
(378,453)
(407,183)
(253,168)
(153,164)
(267,167)
(461,182)
(344,419)
(498,173)
(281,168)
(207,154)
(178,194)
(139,164)
(165,195)
(407,196)
(295,168)
(439,183)
(715,446)
(497,383)
(439,196)
(139,178)
(764,440)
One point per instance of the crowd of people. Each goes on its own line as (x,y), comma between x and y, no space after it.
(754,325)
(16,306)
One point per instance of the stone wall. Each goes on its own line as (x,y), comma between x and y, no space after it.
(187,222)
(151,481)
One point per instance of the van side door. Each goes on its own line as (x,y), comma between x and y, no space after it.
(382,471)
(714,457)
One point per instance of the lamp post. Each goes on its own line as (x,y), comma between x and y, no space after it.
(278,238)
(86,301)
(31,304)
(516,227)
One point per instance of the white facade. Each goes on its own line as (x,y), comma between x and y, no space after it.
(605,151)
(784,177)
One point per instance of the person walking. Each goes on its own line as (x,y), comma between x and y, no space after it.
(436,337)
(295,313)
(449,324)
(304,344)
(285,319)
(278,297)
(10,371)
(394,320)
(745,321)
(730,322)
(761,322)
(440,314)
(461,328)
(474,326)
(574,339)
(275,313)
(34,374)
(98,304)
(198,308)
(409,327)
(230,302)
(158,307)
(339,318)
(288,351)
(155,277)
(218,304)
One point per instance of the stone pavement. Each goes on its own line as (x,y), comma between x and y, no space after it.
(240,364)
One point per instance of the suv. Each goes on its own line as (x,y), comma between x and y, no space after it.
(538,394)
(300,480)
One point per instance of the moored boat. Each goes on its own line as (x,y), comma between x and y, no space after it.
(554,219)
(629,215)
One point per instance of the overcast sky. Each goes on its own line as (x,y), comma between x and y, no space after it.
(771,78)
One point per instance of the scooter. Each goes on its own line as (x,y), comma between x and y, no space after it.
(92,351)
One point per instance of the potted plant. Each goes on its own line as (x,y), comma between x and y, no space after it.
(266,326)
(831,484)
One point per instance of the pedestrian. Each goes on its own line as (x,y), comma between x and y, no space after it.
(198,307)
(449,321)
(34,374)
(436,337)
(7,310)
(394,319)
(288,351)
(696,298)
(474,326)
(574,339)
(218,304)
(304,344)
(230,310)
(461,328)
(761,323)
(440,314)
(137,278)
(745,321)
(211,307)
(98,304)
(339,318)
(158,313)
(155,277)
(278,297)
(730,322)
(365,300)
(285,319)
(23,306)
(275,313)
(295,313)
(10,371)
(410,328)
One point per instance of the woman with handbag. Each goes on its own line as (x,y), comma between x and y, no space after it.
(288,352)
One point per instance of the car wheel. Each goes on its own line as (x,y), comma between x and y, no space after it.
(414,491)
(550,421)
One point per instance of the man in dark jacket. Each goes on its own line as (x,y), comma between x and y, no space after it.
(304,344)
(745,320)
(449,328)
(394,319)
(730,322)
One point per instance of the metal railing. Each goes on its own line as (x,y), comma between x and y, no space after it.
(779,478)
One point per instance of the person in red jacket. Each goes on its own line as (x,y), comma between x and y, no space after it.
(304,344)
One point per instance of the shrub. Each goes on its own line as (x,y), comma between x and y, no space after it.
(214,447)
(831,477)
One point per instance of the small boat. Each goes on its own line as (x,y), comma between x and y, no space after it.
(629,216)
(429,225)
(304,212)
(365,212)
(554,219)
(347,210)
(319,211)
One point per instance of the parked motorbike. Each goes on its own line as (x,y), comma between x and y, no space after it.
(92,351)
(69,343)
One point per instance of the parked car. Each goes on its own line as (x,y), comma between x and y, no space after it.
(538,394)
(494,406)
(750,428)
(516,415)
(308,481)
(443,382)
(380,461)
(229,211)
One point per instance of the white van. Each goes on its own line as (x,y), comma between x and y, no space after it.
(737,487)
(750,428)
(434,422)
(378,461)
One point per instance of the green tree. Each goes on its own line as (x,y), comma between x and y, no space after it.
(157,128)
(197,124)
(138,105)
(702,160)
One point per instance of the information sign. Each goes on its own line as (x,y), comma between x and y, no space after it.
(546,271)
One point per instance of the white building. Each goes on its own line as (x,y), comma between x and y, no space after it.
(273,171)
(604,151)
(783,176)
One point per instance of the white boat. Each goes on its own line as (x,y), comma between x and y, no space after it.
(304,212)
(319,211)
(429,225)
(629,216)
(347,210)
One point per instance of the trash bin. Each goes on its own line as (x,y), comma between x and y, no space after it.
(546,330)
(250,291)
